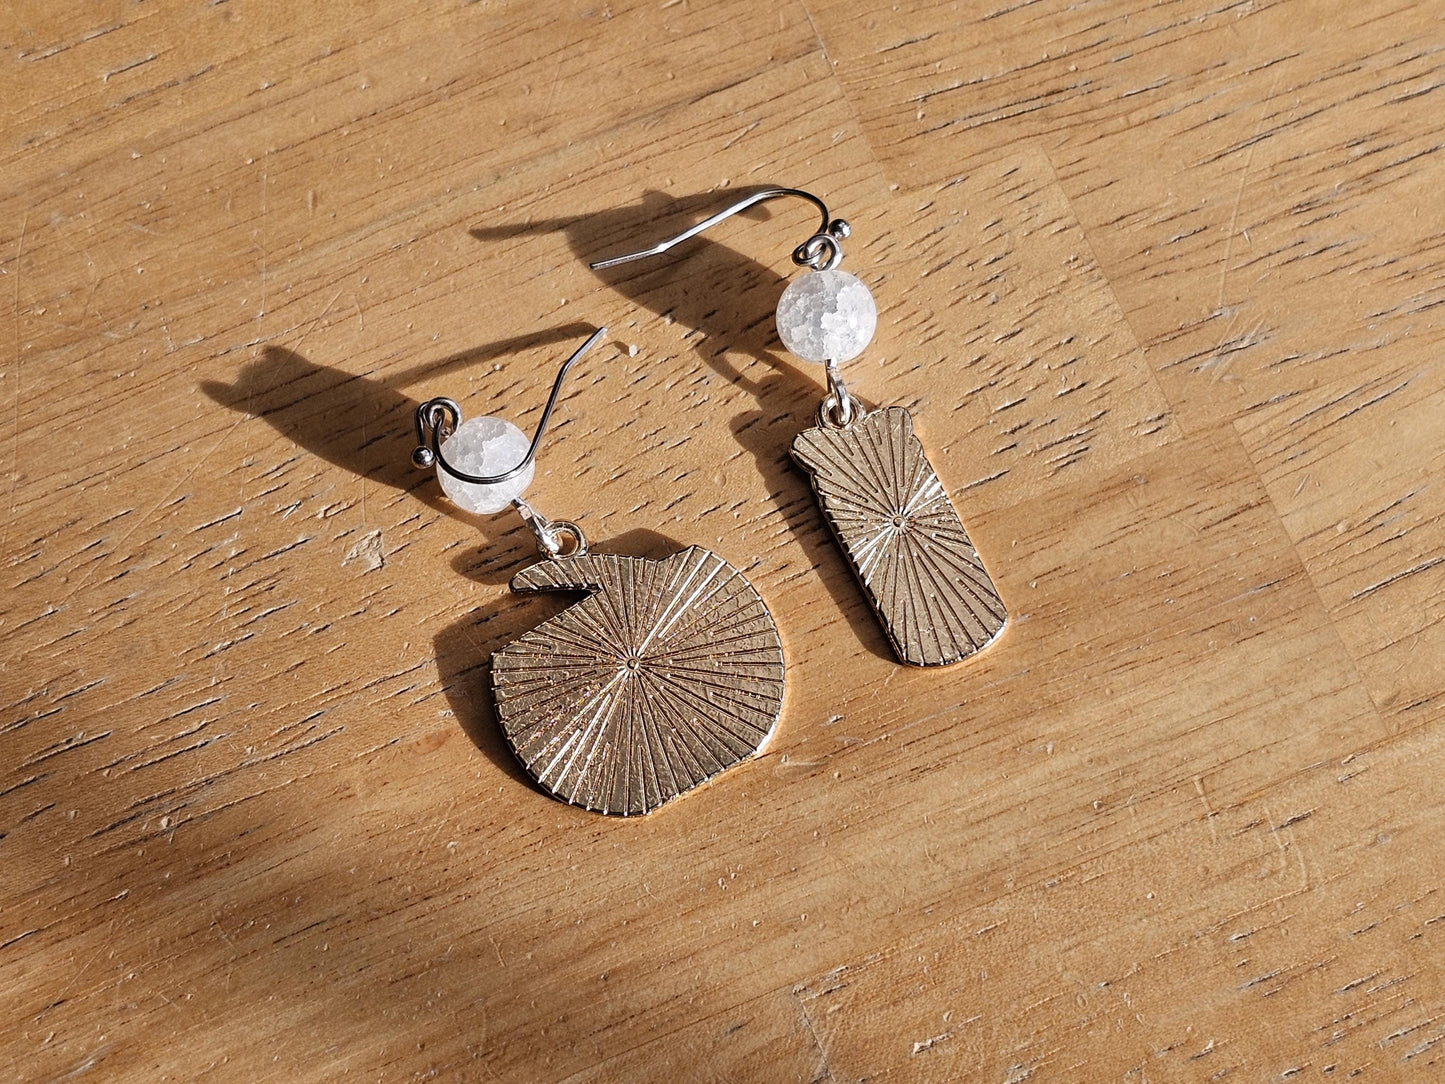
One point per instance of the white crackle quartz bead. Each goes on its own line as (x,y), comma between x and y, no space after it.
(485,447)
(826,316)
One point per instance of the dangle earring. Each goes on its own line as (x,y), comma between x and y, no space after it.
(876,488)
(668,672)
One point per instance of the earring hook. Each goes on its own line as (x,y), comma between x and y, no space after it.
(821,252)
(438,418)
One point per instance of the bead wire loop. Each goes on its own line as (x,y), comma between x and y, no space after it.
(810,253)
(439,418)
(821,252)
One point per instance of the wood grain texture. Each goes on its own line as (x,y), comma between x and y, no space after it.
(1161,285)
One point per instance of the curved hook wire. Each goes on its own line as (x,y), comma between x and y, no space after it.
(809,254)
(438,418)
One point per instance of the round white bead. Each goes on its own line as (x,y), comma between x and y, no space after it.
(826,316)
(485,447)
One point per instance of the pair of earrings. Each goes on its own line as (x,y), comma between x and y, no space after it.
(671,670)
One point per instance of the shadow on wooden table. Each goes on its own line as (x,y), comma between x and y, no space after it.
(726,302)
(363,424)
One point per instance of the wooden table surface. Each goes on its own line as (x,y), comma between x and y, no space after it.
(1164,284)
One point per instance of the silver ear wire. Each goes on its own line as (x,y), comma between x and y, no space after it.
(822,252)
(438,418)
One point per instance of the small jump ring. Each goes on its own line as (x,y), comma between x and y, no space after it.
(551,534)
(561,529)
(836,413)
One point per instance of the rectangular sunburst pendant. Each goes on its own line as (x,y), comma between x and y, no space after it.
(902,536)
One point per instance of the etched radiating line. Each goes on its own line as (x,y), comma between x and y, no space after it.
(681,695)
(656,752)
(735,607)
(678,604)
(598,715)
(848,478)
(937,603)
(973,579)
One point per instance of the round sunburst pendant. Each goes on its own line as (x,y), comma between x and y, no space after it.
(668,673)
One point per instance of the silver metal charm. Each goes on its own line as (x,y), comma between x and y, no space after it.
(666,674)
(900,532)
